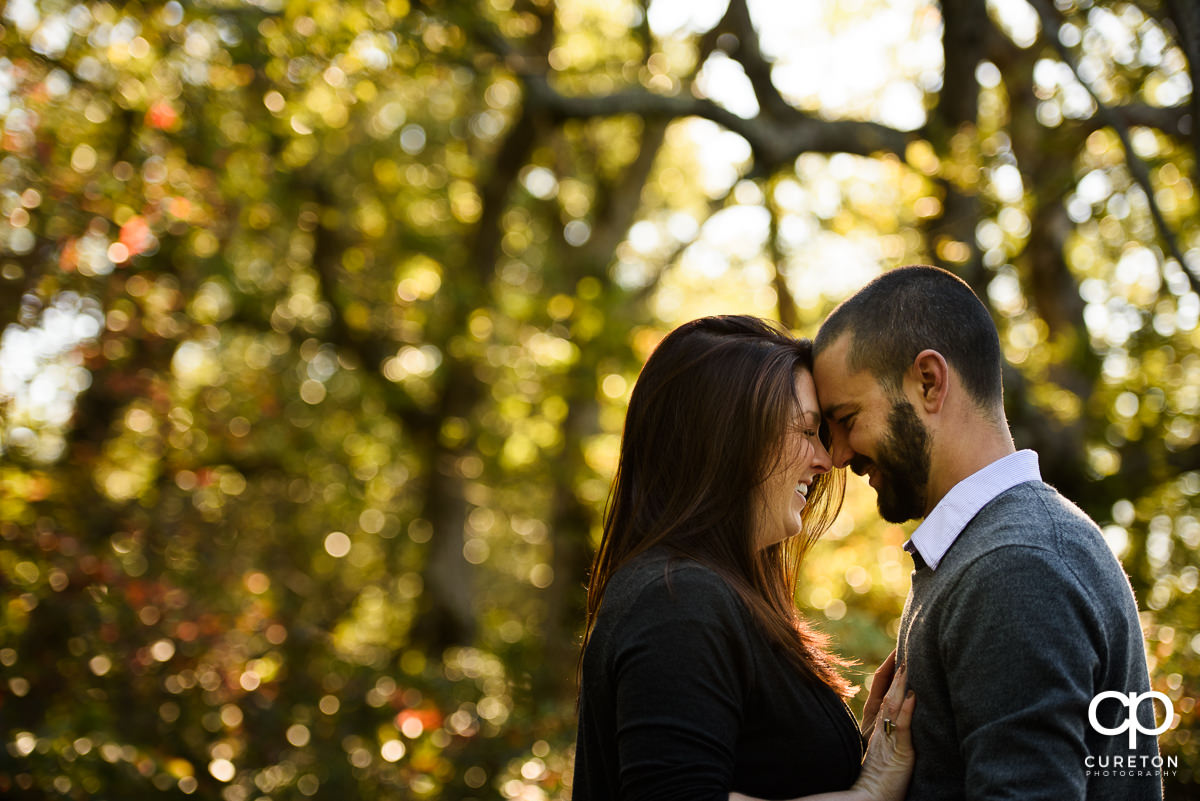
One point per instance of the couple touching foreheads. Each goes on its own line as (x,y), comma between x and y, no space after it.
(699,678)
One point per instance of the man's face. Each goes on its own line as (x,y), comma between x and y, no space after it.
(875,433)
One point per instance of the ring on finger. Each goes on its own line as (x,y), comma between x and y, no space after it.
(889,726)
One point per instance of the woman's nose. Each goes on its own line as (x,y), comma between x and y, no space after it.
(822,462)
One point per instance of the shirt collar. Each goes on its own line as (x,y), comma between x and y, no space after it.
(933,538)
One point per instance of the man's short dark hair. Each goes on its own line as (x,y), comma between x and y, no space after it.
(909,309)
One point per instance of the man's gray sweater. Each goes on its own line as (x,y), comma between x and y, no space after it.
(1026,619)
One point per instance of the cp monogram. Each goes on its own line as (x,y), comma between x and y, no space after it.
(1132,701)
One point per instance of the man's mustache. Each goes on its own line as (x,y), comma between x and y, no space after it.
(860,465)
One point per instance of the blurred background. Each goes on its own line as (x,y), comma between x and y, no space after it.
(320,319)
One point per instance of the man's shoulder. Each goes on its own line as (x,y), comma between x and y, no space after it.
(1031,514)
(1032,530)
(1034,503)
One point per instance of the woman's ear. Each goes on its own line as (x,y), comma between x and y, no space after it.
(932,376)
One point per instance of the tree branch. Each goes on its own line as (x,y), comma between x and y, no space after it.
(965,28)
(618,204)
(1171,120)
(1185,15)
(1051,22)
(643,293)
(749,54)
(493,194)
(774,144)
(370,349)
(965,32)
(783,293)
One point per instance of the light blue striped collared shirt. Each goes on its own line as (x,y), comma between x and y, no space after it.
(964,500)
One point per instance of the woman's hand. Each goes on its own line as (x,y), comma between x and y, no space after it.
(889,761)
(879,685)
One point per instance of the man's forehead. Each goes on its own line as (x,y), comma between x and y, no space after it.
(838,388)
(831,366)
(832,398)
(836,352)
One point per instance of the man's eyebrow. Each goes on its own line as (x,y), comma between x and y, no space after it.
(837,410)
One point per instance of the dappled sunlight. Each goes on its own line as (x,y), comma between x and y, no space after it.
(321,320)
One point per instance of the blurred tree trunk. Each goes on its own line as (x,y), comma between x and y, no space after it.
(449,610)
(952,130)
(1185,17)
(285,132)
(615,208)
(1049,285)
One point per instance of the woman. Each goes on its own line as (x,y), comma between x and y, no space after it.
(699,680)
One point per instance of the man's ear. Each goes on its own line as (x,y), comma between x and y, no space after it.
(932,376)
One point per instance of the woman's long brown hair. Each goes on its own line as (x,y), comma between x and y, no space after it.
(705,425)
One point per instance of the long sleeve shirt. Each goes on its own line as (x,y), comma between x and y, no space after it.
(1025,620)
(684,697)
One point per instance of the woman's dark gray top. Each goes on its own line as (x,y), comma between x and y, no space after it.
(684,697)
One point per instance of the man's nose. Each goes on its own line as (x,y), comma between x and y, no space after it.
(840,450)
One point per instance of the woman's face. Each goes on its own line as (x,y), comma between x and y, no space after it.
(782,495)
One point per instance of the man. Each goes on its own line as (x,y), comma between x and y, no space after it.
(1019,615)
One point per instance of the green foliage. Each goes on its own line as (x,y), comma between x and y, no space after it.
(322,317)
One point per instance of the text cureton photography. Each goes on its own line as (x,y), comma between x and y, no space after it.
(1132,763)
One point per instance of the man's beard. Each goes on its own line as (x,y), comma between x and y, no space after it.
(902,462)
